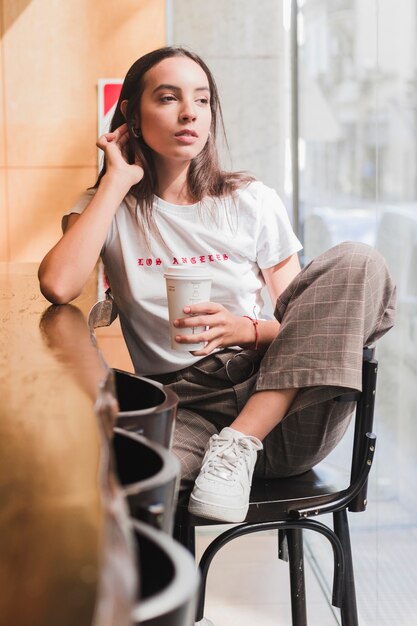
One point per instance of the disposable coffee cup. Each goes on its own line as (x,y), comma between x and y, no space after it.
(185,285)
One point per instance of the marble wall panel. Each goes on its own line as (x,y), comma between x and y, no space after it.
(243,42)
(253,113)
(232,29)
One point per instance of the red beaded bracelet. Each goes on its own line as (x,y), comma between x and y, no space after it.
(255,326)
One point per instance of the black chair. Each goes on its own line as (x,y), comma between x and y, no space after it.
(287,505)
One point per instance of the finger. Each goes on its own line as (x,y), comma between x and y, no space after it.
(105,140)
(208,348)
(203,307)
(115,135)
(201,337)
(102,142)
(194,321)
(200,352)
(208,336)
(120,130)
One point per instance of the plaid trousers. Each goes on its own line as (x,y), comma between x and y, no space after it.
(340,302)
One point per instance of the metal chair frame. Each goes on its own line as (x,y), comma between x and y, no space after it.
(288,504)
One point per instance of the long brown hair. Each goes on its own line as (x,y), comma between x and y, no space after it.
(205,177)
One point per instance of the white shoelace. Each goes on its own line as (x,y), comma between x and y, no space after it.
(224,458)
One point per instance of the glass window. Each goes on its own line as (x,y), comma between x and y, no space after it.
(357,111)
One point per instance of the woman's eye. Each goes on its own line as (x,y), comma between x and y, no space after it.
(203,100)
(168,98)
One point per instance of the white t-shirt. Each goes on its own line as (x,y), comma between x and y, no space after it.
(234,238)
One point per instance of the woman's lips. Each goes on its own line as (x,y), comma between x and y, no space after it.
(186,136)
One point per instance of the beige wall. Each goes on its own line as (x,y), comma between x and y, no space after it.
(51,55)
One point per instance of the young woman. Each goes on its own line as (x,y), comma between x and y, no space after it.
(162,199)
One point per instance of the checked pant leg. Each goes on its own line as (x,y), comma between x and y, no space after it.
(340,302)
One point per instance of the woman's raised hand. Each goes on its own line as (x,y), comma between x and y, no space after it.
(114,146)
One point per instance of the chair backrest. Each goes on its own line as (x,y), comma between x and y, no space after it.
(354,497)
(363,438)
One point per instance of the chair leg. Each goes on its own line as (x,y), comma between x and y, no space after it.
(297,583)
(349,611)
(185,534)
(282,545)
(295,551)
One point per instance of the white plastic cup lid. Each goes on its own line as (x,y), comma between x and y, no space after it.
(187,271)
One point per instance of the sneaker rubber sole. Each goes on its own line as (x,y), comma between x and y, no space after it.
(215,512)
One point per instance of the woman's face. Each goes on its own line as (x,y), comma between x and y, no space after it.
(175,112)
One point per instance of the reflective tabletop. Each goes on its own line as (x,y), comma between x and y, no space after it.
(64,530)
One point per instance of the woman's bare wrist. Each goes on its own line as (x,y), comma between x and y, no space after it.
(254,322)
(247,333)
(117,181)
(257,333)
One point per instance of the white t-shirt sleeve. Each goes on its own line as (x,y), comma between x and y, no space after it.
(275,238)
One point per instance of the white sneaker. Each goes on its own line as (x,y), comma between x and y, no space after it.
(221,490)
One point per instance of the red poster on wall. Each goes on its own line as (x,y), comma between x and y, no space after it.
(108,95)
